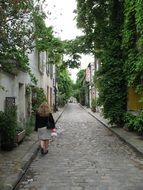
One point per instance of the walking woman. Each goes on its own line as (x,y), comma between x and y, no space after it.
(44,124)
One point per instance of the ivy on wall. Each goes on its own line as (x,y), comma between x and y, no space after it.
(133,43)
(101,22)
(113,33)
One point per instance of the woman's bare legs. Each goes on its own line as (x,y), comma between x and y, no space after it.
(42,146)
(46,145)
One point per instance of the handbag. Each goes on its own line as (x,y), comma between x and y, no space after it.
(54,132)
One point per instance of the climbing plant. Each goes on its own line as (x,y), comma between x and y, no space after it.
(113,33)
(102,22)
(38,97)
(133,42)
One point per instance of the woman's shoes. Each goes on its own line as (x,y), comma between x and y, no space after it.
(44,152)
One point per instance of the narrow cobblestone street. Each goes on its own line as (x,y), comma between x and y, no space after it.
(84,156)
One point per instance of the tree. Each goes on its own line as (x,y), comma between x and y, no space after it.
(64,84)
(79,89)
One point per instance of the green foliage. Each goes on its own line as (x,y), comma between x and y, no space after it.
(23,28)
(16,34)
(2,88)
(129,120)
(138,123)
(71,49)
(29,126)
(93,18)
(77,45)
(8,126)
(46,41)
(134,122)
(113,32)
(102,23)
(93,103)
(133,41)
(22,24)
(80,87)
(38,97)
(62,100)
(74,48)
(75,92)
(64,84)
(73,61)
(112,91)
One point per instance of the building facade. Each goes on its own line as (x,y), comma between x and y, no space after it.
(15,87)
(91,91)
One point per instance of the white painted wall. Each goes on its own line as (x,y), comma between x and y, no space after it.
(14,86)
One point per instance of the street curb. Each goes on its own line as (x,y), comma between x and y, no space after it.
(26,161)
(60,114)
(119,136)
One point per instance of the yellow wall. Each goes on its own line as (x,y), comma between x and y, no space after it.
(133,100)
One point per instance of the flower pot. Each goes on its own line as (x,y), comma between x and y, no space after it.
(20,136)
(93,109)
(7,146)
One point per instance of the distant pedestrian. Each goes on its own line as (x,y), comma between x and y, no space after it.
(44,124)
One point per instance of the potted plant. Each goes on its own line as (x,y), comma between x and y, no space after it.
(8,124)
(93,105)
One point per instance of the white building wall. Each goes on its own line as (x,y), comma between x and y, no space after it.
(92,93)
(11,86)
(15,86)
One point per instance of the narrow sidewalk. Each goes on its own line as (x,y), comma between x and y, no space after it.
(131,138)
(13,164)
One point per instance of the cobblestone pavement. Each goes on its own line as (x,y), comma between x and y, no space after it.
(84,156)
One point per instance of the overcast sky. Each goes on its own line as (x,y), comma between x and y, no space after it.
(62,19)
